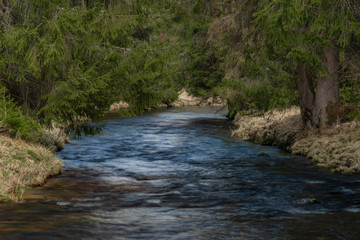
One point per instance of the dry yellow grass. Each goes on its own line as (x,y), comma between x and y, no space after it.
(337,147)
(23,165)
(273,128)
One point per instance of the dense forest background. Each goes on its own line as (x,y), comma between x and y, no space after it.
(66,60)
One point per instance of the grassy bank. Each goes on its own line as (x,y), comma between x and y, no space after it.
(24,165)
(336,147)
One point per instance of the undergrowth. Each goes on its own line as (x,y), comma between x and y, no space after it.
(15,122)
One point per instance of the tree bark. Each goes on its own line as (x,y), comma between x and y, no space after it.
(306,94)
(327,88)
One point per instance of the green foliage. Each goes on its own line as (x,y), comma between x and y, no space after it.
(145,73)
(350,94)
(76,60)
(68,61)
(33,155)
(279,34)
(243,97)
(205,61)
(14,121)
(338,113)
(349,76)
(206,71)
(298,30)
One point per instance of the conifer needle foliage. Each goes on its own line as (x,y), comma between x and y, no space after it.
(67,60)
(70,60)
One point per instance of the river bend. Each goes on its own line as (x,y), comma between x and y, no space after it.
(178,174)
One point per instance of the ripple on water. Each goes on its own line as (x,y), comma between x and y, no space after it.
(177,174)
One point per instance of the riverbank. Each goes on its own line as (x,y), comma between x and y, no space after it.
(184,99)
(24,165)
(336,147)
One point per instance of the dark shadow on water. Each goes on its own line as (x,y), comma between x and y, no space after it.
(177,174)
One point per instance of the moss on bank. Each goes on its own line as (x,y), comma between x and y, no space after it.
(24,165)
(336,147)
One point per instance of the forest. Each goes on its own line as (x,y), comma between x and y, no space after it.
(65,61)
(270,149)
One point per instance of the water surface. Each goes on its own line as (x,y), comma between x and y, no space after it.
(177,174)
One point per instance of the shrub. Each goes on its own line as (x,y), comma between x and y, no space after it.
(15,122)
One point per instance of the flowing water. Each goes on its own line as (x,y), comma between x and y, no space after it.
(177,174)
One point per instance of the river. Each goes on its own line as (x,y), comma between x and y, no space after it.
(178,174)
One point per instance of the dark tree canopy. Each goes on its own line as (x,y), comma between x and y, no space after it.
(66,60)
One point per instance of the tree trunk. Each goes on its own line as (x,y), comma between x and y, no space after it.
(306,94)
(327,88)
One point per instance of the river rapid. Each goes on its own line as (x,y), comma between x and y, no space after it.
(178,174)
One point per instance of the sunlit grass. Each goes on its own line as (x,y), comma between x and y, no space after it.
(336,147)
(23,165)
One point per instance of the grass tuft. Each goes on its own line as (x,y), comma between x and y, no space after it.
(336,147)
(24,165)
